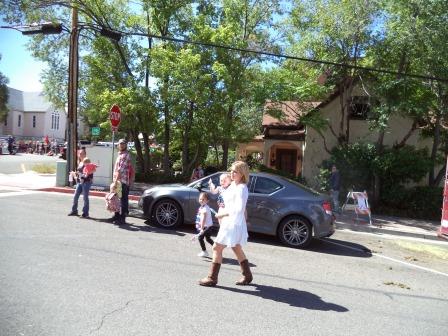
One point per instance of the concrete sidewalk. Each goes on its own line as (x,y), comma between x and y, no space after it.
(346,221)
(407,227)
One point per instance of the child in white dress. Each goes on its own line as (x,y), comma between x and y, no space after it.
(233,228)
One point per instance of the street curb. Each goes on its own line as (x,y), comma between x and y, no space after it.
(369,229)
(68,190)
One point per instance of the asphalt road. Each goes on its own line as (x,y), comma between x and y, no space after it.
(64,275)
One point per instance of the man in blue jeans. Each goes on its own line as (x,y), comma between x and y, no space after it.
(335,186)
(122,173)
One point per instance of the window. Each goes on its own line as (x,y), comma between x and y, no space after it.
(55,120)
(266,186)
(359,108)
(19,121)
(34,121)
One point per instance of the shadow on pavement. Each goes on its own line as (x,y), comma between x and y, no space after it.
(291,296)
(339,247)
(143,228)
(324,245)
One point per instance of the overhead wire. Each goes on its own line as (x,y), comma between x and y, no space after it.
(272,54)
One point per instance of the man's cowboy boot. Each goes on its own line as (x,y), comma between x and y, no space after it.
(212,279)
(247,274)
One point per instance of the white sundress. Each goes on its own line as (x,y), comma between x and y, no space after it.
(233,228)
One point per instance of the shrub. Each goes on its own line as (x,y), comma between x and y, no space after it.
(44,169)
(417,202)
(159,177)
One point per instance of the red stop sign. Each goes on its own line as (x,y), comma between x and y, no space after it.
(115,116)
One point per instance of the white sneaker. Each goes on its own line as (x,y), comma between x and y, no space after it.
(203,254)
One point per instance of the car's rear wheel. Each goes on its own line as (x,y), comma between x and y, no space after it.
(167,214)
(295,231)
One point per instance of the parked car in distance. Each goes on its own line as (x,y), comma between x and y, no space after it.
(276,206)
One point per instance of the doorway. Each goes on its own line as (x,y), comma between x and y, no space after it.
(286,160)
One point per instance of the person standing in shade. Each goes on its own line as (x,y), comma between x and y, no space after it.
(122,172)
(233,228)
(83,180)
(197,174)
(335,186)
(81,154)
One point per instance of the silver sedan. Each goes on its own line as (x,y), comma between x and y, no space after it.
(276,206)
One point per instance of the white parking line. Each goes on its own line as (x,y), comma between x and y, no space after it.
(389,258)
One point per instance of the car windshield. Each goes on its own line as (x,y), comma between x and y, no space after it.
(205,180)
(304,187)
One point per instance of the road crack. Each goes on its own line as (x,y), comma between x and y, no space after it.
(110,313)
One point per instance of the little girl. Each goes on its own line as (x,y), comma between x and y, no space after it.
(224,181)
(204,223)
(113,203)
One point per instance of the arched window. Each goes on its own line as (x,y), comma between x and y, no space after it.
(55,120)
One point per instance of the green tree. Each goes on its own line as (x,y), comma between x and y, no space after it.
(336,31)
(4,95)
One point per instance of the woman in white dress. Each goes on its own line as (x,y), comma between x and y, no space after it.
(233,228)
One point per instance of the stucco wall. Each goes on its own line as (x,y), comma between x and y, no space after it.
(31,131)
(315,152)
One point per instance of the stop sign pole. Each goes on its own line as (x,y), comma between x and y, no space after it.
(115,118)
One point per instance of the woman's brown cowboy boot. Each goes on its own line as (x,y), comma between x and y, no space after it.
(212,279)
(247,274)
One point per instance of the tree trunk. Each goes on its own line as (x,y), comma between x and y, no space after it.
(138,150)
(226,141)
(407,136)
(166,140)
(435,147)
(186,164)
(440,176)
(376,178)
(147,152)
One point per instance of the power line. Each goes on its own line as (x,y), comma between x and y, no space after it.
(303,59)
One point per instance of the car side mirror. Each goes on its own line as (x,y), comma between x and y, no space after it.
(198,186)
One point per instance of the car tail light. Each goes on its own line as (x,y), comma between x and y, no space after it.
(327,207)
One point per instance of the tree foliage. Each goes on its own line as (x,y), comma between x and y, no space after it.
(3,96)
(194,99)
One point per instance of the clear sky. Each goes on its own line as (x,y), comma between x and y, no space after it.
(17,64)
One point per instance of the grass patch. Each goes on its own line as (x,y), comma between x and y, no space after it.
(44,169)
(437,251)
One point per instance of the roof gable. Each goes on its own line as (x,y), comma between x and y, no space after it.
(27,101)
(291,112)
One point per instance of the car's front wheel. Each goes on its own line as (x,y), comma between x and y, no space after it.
(295,231)
(167,214)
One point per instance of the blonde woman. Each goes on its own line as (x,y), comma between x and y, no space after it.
(233,228)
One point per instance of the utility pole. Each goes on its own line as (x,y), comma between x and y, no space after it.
(72,113)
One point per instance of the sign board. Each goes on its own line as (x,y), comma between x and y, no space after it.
(115,117)
(95,131)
